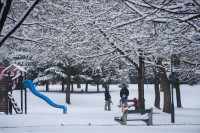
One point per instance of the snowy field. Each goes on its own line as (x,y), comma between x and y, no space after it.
(86,113)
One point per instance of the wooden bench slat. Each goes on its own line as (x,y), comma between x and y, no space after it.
(137,119)
(142,111)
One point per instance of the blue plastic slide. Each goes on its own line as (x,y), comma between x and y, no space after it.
(29,84)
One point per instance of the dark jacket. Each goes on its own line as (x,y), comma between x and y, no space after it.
(107,95)
(124,91)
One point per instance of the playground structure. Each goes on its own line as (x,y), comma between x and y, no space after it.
(7,101)
(29,84)
(4,96)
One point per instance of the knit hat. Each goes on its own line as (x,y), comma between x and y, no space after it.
(134,99)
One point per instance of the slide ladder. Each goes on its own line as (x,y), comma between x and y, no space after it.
(14,104)
(29,84)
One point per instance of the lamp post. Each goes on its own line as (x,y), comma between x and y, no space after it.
(172,92)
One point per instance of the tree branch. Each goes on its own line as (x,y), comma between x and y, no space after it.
(169,11)
(19,23)
(119,50)
(198,3)
(4,10)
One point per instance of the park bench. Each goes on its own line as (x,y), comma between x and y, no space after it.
(149,119)
(123,120)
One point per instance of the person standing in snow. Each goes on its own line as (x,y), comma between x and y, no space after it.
(124,93)
(107,98)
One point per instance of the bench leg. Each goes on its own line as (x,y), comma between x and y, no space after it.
(147,122)
(150,121)
(122,120)
(124,117)
(151,117)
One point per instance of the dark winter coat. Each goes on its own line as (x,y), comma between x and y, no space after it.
(107,95)
(124,91)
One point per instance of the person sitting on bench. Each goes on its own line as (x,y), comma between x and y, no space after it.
(135,104)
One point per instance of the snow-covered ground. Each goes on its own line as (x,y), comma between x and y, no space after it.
(86,113)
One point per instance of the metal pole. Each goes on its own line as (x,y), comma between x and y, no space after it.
(10,89)
(21,89)
(25,95)
(25,101)
(22,99)
(172,93)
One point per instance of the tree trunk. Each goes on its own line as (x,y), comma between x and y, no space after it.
(166,88)
(78,83)
(157,90)
(1,7)
(97,87)
(178,93)
(63,84)
(167,93)
(176,62)
(86,86)
(72,84)
(141,82)
(68,89)
(47,85)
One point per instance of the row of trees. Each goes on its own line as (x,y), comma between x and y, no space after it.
(144,34)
